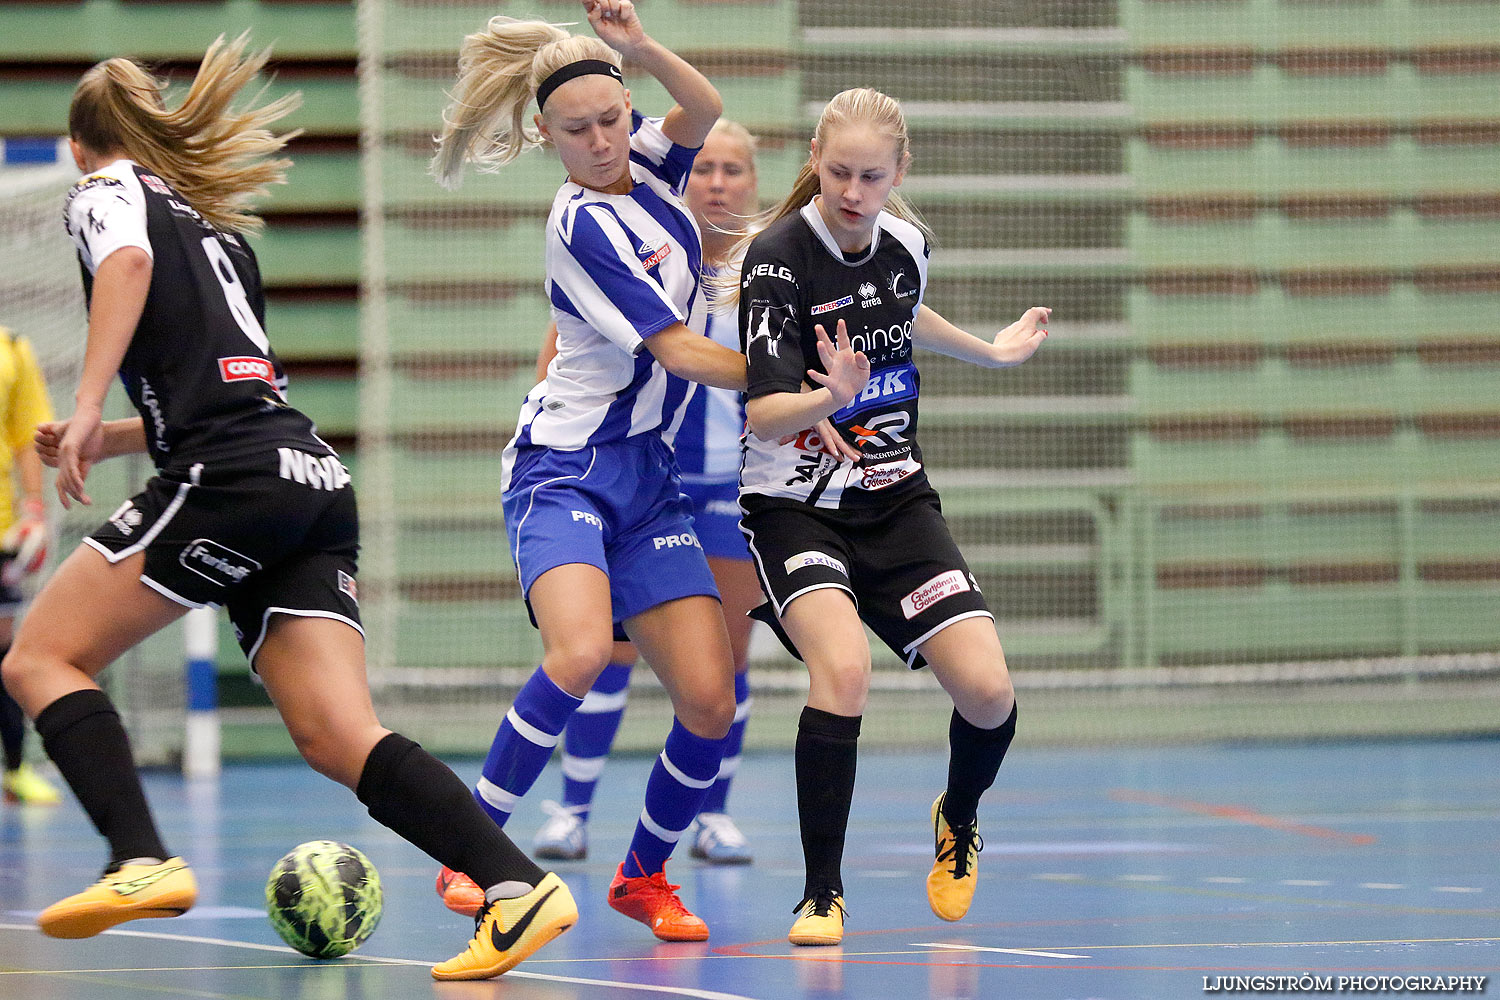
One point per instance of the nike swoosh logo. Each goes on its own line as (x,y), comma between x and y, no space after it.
(506,941)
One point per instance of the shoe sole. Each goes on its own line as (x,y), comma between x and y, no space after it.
(89,919)
(663,935)
(524,950)
(814,940)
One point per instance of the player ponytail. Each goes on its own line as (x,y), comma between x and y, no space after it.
(864,106)
(499,70)
(217,158)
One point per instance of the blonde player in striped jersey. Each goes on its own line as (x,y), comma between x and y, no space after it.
(597,526)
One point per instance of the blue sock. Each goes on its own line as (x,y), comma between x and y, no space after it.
(522,744)
(717,799)
(683,773)
(589,736)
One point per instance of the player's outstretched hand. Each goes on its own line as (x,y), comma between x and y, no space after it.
(848,369)
(616,23)
(79,446)
(1020,340)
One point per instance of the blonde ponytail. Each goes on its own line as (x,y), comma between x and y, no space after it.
(220,160)
(499,70)
(862,105)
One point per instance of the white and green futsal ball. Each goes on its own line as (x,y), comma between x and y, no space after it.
(324,898)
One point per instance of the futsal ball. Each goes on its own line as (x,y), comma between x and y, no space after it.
(324,898)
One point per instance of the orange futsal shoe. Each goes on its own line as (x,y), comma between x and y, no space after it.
(124,892)
(653,901)
(508,930)
(459,892)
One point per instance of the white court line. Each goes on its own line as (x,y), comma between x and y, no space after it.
(379,960)
(1003,951)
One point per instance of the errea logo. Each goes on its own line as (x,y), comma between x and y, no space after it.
(867,291)
(869,295)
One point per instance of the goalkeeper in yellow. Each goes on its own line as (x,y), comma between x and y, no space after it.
(23,405)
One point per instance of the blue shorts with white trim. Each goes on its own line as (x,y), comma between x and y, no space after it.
(616,506)
(716,518)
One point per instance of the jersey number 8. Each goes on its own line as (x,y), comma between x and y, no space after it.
(234,294)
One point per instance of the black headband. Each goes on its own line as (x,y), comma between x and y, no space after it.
(583,67)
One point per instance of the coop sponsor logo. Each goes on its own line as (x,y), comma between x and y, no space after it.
(349,587)
(156,184)
(819,310)
(802,560)
(321,472)
(939,587)
(216,563)
(240,369)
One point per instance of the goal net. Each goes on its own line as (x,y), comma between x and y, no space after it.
(41,299)
(1248,486)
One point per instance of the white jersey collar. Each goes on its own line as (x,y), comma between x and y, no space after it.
(820,229)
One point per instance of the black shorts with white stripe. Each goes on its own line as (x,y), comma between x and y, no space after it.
(899,564)
(252,540)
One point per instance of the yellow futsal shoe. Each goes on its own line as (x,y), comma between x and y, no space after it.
(25,786)
(508,930)
(127,892)
(950,884)
(820,920)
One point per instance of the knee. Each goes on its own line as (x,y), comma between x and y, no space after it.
(17,670)
(335,754)
(575,664)
(844,685)
(706,712)
(987,698)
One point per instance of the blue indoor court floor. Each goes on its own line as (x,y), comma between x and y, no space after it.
(1107,873)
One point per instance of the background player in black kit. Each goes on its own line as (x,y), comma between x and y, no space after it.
(249,509)
(836,541)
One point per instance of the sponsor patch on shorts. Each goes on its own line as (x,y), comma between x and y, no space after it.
(349,586)
(934,590)
(217,563)
(802,560)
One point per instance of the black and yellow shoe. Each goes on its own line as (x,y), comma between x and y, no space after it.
(820,920)
(124,892)
(508,930)
(950,884)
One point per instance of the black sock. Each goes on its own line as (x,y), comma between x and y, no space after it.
(974,757)
(416,795)
(12,725)
(83,735)
(827,754)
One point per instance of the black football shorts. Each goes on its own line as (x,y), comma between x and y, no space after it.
(899,563)
(252,541)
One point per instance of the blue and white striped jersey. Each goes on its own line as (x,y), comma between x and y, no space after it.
(708,442)
(619,268)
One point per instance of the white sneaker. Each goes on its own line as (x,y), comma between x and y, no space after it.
(719,842)
(564,837)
